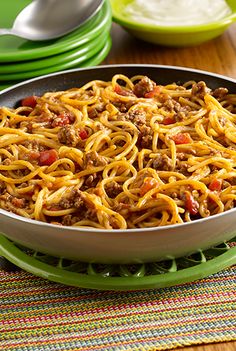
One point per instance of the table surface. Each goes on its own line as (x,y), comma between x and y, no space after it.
(217,55)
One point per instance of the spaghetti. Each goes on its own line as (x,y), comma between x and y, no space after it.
(128,153)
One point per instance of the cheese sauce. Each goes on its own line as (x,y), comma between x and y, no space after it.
(177,12)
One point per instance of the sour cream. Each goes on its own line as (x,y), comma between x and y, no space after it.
(177,12)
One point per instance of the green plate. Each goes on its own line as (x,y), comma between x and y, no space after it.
(119,277)
(98,58)
(13,48)
(93,61)
(75,61)
(88,48)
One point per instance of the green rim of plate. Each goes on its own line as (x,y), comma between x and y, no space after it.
(97,59)
(120,277)
(91,47)
(14,49)
(93,61)
(77,61)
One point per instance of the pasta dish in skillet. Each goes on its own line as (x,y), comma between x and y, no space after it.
(128,153)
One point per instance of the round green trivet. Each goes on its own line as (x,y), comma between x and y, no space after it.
(120,277)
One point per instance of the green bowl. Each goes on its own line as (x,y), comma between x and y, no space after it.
(172,35)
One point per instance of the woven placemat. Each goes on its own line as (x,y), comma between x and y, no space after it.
(40,315)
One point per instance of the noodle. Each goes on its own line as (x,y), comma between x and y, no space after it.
(128,153)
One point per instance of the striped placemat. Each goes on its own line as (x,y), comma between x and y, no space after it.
(38,315)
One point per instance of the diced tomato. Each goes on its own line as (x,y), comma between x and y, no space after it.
(190,204)
(168,120)
(29,101)
(148,184)
(30,193)
(83,134)
(34,155)
(182,138)
(152,93)
(215,185)
(61,120)
(47,157)
(120,91)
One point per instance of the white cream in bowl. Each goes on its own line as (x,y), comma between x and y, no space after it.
(177,12)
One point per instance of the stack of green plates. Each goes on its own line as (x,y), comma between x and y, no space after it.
(23,59)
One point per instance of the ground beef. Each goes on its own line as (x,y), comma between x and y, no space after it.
(171,105)
(65,203)
(74,199)
(85,208)
(68,135)
(20,173)
(69,220)
(99,126)
(200,89)
(136,117)
(28,126)
(222,121)
(45,118)
(163,97)
(12,203)
(78,197)
(162,163)
(87,94)
(91,214)
(2,187)
(219,93)
(144,86)
(84,213)
(92,180)
(123,106)
(33,145)
(182,167)
(19,203)
(113,222)
(181,163)
(146,142)
(181,156)
(145,137)
(93,159)
(113,189)
(180,112)
(94,112)
(123,209)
